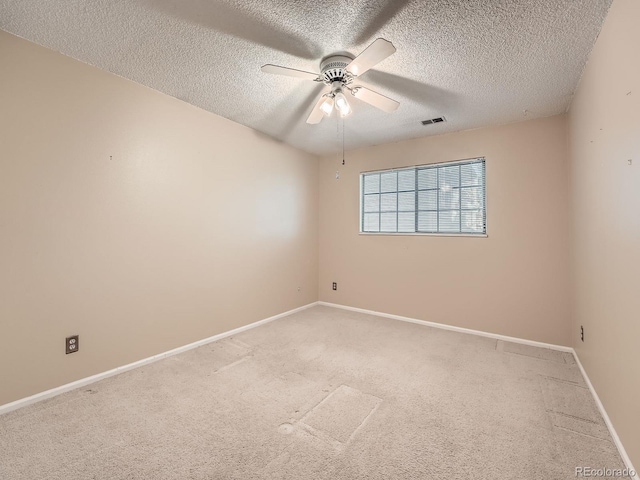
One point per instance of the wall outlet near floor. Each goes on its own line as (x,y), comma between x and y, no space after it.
(335,286)
(581,333)
(72,344)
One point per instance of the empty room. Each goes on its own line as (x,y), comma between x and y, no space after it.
(374,239)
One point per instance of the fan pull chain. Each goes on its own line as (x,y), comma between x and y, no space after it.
(343,141)
(338,131)
(338,121)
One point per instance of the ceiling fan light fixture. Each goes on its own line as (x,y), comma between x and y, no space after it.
(327,106)
(338,72)
(342,105)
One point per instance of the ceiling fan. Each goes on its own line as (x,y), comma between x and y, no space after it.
(339,72)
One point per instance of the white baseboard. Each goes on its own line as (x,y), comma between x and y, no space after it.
(23,402)
(607,420)
(612,430)
(100,376)
(452,328)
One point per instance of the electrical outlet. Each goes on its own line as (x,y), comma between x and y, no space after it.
(335,286)
(72,344)
(581,333)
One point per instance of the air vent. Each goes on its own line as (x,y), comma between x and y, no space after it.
(434,120)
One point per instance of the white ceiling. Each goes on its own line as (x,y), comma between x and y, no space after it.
(477,62)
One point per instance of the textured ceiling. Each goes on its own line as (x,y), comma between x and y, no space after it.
(477,62)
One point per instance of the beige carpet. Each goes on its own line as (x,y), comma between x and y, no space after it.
(322,394)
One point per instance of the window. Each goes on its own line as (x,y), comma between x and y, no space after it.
(445,198)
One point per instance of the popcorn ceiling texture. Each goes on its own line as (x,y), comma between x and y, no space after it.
(477,63)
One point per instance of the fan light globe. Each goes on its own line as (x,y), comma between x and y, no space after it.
(342,105)
(327,106)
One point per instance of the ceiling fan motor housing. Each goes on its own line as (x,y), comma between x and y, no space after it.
(333,70)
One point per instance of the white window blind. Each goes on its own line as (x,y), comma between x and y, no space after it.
(446,198)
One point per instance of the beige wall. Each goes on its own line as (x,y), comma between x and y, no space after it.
(605,207)
(135,220)
(514,282)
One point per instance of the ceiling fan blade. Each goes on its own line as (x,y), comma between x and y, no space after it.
(291,72)
(316,114)
(376,99)
(372,55)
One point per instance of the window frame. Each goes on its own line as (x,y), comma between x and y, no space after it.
(417,168)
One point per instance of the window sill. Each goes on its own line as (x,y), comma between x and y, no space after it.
(467,235)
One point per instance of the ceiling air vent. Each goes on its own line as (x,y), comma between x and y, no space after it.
(434,120)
